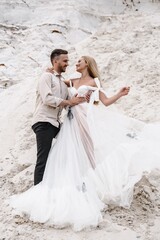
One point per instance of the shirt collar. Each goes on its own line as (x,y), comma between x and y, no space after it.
(58,75)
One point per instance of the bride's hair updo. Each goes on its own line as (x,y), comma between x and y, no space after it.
(92,67)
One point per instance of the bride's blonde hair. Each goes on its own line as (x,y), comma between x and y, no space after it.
(92,69)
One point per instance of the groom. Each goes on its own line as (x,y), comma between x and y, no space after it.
(51,98)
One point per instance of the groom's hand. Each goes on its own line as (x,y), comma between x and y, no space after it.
(77,100)
(73,101)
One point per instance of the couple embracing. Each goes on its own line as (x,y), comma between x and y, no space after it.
(52,97)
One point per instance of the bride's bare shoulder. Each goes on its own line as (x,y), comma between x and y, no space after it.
(93,83)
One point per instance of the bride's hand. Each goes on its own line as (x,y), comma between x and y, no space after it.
(88,95)
(124,91)
(50,70)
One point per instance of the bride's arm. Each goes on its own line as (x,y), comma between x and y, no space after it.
(108,101)
(69,82)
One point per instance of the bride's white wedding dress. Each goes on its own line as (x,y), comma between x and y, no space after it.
(98,157)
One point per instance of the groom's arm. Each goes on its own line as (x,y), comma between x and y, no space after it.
(72,102)
(45,91)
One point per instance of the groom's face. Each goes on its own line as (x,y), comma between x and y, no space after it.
(62,62)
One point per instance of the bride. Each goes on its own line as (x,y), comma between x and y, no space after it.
(99,155)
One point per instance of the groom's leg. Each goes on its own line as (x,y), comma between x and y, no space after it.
(45,132)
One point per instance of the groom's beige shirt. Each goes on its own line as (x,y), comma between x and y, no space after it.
(51,91)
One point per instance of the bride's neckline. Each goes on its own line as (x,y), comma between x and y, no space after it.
(81,86)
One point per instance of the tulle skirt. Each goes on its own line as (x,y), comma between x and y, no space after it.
(98,157)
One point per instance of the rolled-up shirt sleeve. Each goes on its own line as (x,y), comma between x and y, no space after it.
(45,91)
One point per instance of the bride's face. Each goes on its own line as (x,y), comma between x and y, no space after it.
(81,65)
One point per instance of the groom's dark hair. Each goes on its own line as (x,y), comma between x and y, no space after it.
(57,52)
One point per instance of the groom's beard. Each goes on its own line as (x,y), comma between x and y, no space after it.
(62,68)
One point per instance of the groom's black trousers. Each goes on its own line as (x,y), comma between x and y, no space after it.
(45,132)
